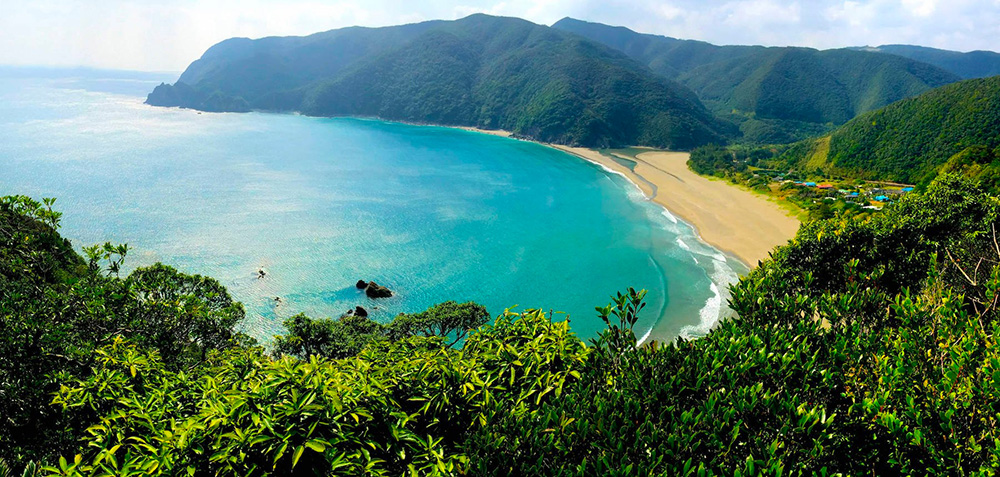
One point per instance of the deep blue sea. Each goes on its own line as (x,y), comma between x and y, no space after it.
(433,213)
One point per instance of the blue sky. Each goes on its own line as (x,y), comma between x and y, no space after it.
(166,35)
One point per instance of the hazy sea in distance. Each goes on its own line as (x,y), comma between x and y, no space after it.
(433,213)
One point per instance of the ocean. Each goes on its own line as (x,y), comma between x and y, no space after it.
(433,213)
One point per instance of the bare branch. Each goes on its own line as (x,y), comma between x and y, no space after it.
(959,267)
(996,246)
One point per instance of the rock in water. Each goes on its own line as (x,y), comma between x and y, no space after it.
(359,311)
(361,284)
(374,290)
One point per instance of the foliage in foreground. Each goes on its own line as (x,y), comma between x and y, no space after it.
(393,409)
(450,322)
(860,348)
(57,308)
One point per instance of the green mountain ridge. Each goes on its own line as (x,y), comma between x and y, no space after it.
(778,94)
(483,71)
(670,57)
(968,65)
(954,127)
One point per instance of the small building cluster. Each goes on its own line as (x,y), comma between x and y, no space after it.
(869,198)
(862,194)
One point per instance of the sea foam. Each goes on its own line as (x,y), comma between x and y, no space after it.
(669,216)
(713,311)
(634,192)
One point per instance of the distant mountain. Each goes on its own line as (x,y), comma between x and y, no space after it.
(955,127)
(667,56)
(82,72)
(974,64)
(490,72)
(778,94)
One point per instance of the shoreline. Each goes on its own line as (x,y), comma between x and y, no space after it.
(709,228)
(734,221)
(737,222)
(491,132)
(649,182)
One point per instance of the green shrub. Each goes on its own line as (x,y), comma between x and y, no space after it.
(861,348)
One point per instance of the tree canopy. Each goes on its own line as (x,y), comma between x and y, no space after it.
(910,141)
(861,347)
(776,94)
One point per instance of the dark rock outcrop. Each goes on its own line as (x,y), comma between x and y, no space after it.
(374,290)
(359,311)
(361,284)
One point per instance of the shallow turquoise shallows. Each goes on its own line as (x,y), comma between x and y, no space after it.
(433,213)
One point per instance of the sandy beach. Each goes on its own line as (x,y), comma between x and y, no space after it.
(736,221)
(743,224)
(491,132)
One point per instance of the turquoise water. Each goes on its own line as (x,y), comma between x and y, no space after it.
(434,213)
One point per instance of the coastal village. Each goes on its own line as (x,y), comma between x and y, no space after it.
(869,195)
(811,194)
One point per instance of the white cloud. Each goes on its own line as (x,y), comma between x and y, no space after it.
(763,11)
(670,12)
(853,13)
(920,8)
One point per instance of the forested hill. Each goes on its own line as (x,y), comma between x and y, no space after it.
(778,94)
(666,56)
(491,72)
(973,64)
(955,127)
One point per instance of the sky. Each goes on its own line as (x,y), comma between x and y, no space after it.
(166,35)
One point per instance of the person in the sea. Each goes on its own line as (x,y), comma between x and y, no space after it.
(261,273)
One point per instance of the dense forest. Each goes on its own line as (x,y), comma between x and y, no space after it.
(953,128)
(969,65)
(775,94)
(861,347)
(575,83)
(490,72)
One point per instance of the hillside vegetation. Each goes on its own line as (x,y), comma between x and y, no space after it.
(953,128)
(973,64)
(666,56)
(859,348)
(807,85)
(489,72)
(777,94)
